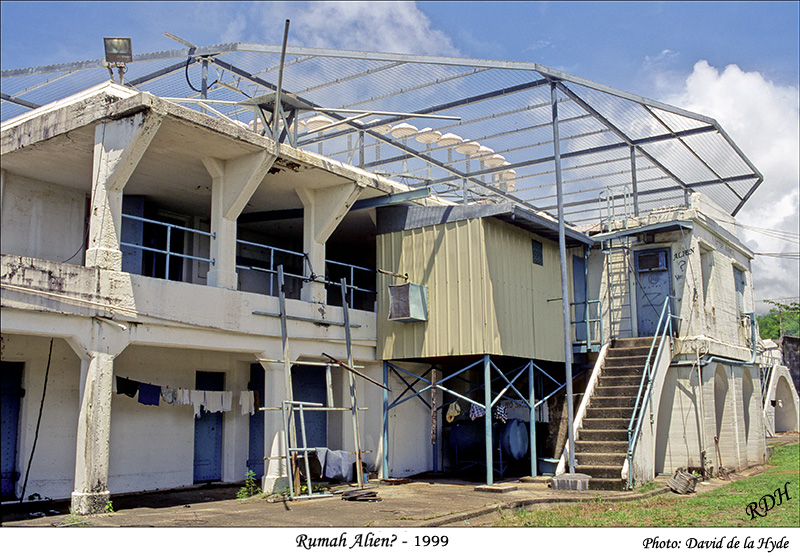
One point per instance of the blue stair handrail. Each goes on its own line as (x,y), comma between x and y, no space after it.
(663,331)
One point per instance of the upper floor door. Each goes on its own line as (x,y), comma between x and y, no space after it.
(653,286)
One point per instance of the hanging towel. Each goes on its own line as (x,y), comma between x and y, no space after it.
(149,394)
(168,394)
(500,412)
(476,411)
(184,397)
(127,387)
(227,400)
(452,412)
(247,401)
(213,402)
(198,398)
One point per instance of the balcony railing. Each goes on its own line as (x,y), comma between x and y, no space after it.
(359,279)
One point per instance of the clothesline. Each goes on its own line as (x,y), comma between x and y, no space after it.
(213,401)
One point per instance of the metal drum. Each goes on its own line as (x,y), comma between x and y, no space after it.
(467,439)
(514,439)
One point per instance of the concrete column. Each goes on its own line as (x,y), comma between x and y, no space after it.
(118,148)
(97,353)
(233,183)
(275,473)
(324,209)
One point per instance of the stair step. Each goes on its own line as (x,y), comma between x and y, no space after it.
(616,391)
(600,446)
(599,423)
(632,342)
(625,361)
(612,401)
(592,435)
(601,459)
(600,471)
(608,484)
(635,370)
(609,412)
(621,380)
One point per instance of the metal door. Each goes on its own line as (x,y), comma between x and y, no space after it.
(208,433)
(579,295)
(255,457)
(10,395)
(309,385)
(653,285)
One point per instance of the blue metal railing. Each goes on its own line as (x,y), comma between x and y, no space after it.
(662,335)
(168,253)
(589,323)
(349,270)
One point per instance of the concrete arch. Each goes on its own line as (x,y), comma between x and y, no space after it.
(663,449)
(785,407)
(725,430)
(747,398)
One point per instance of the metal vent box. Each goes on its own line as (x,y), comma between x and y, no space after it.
(408,303)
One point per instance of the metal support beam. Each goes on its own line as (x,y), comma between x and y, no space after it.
(634,185)
(385,466)
(562,250)
(487,401)
(532,421)
(353,401)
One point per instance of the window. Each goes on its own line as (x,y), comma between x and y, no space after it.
(538,254)
(707,270)
(740,281)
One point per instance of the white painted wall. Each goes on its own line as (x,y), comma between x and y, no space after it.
(52,471)
(42,220)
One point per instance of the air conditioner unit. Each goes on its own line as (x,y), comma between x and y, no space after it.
(408,303)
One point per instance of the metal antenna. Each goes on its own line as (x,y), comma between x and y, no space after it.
(277,107)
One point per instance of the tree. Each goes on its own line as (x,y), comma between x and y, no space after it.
(782,319)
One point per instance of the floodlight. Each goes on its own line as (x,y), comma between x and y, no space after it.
(118,50)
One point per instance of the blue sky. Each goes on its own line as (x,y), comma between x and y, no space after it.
(738,62)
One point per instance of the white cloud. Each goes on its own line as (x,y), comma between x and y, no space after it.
(763,119)
(373,26)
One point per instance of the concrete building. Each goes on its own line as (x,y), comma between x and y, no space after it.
(192,249)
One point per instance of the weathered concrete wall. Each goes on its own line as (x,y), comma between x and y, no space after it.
(52,470)
(42,220)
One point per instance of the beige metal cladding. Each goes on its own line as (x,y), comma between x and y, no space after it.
(485,294)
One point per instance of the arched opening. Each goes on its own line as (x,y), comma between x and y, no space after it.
(720,398)
(747,397)
(664,453)
(785,411)
(726,453)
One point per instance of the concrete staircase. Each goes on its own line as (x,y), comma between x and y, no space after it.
(602,440)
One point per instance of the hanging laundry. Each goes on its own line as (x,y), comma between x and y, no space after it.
(198,398)
(476,411)
(169,395)
(184,397)
(500,412)
(127,387)
(452,412)
(247,401)
(213,403)
(227,400)
(149,394)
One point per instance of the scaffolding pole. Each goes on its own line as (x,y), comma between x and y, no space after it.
(356,431)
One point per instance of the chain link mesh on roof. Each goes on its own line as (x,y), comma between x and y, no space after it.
(612,144)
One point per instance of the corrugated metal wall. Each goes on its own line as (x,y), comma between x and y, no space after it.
(485,295)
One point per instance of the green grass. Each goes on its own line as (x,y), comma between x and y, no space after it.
(722,507)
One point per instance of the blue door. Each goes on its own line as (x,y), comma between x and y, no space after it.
(308,385)
(208,433)
(10,395)
(255,457)
(579,294)
(653,285)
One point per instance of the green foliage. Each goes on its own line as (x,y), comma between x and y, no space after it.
(783,317)
(109,507)
(250,487)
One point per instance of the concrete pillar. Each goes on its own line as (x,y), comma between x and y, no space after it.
(275,473)
(105,342)
(118,147)
(324,209)
(233,183)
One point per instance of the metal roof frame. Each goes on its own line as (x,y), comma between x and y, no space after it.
(611,142)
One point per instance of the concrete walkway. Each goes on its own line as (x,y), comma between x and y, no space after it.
(419,503)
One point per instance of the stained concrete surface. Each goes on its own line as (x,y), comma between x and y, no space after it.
(427,502)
